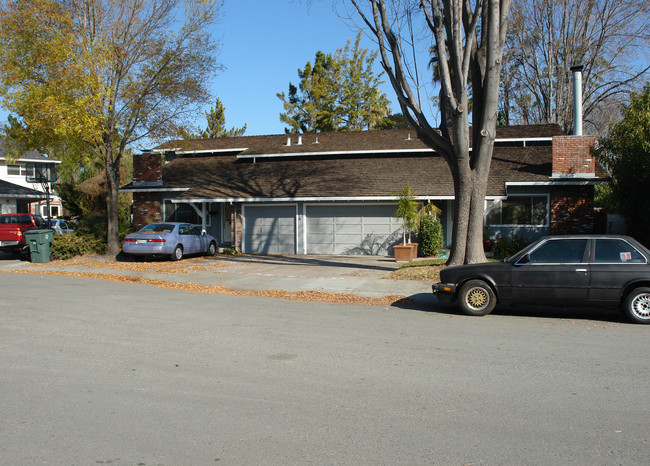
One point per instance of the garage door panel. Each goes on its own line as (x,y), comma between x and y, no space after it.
(269,229)
(349,229)
(347,220)
(352,230)
(379,229)
(320,229)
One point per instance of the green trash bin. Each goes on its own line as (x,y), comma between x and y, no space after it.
(39,244)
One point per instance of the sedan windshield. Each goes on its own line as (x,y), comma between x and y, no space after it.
(158,228)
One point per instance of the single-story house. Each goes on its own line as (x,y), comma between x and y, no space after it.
(336,193)
(21,190)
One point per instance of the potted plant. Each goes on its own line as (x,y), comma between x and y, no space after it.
(407,211)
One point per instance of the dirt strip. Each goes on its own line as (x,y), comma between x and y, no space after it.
(318,296)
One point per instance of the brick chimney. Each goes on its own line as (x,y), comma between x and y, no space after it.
(572,157)
(147,169)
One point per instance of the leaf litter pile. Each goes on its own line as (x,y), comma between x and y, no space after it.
(190,265)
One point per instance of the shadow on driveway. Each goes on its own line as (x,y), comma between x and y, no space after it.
(379,263)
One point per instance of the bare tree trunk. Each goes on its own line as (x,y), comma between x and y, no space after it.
(469,39)
(113,184)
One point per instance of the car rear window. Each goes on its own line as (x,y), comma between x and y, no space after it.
(617,251)
(158,228)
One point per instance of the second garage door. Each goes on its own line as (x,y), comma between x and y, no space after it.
(270,229)
(361,229)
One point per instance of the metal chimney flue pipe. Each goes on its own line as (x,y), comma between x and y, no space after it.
(577,99)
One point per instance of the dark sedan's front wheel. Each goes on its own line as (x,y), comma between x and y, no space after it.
(637,305)
(212,249)
(476,298)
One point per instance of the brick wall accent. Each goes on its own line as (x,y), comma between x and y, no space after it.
(147,169)
(572,210)
(572,156)
(146,209)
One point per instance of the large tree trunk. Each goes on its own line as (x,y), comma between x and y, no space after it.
(112,222)
(469,202)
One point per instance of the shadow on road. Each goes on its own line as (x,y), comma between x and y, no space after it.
(421,302)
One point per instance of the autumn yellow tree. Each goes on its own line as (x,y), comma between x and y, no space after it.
(101,75)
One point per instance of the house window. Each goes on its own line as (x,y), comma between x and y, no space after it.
(519,210)
(20,170)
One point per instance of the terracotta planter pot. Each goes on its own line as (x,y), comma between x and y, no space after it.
(405,252)
(414,250)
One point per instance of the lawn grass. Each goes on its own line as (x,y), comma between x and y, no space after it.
(424,269)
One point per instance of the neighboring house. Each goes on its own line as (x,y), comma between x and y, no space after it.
(18,194)
(336,193)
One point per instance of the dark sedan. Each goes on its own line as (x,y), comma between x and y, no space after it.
(585,270)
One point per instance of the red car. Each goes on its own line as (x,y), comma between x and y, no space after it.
(13,228)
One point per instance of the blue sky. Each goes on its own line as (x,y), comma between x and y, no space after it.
(264,42)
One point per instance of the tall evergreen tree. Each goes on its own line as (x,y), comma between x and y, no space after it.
(339,92)
(216,123)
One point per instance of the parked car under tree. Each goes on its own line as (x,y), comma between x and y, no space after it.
(171,239)
(578,270)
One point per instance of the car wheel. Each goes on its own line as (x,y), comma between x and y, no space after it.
(212,249)
(637,305)
(178,253)
(476,298)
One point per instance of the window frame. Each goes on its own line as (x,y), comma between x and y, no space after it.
(498,204)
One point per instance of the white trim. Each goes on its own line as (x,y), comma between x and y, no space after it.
(351,153)
(309,199)
(556,182)
(155,190)
(377,151)
(23,159)
(525,140)
(207,151)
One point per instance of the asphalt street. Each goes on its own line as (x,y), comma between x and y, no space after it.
(97,372)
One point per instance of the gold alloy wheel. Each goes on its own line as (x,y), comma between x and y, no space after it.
(477,298)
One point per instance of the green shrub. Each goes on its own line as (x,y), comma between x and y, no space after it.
(430,235)
(505,247)
(69,245)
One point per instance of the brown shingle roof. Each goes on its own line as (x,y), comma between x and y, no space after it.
(344,165)
(351,141)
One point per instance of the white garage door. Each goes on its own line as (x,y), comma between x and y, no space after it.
(367,229)
(270,229)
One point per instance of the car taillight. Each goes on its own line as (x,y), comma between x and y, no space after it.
(129,240)
(155,240)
